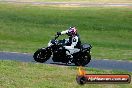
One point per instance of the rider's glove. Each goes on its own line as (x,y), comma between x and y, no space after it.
(58,33)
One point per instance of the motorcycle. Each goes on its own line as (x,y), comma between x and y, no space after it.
(80,56)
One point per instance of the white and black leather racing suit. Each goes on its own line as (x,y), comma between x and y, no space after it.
(72,44)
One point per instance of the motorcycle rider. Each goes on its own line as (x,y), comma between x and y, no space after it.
(73,43)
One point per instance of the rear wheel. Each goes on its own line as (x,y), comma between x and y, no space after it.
(82,59)
(41,55)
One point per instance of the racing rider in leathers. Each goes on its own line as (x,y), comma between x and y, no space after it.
(73,43)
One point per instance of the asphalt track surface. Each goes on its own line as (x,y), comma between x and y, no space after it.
(83,4)
(94,63)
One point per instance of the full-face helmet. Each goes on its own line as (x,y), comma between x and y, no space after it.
(72,31)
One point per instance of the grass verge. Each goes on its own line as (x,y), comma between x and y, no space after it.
(89,1)
(34,75)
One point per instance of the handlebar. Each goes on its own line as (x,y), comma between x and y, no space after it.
(57,42)
(56,36)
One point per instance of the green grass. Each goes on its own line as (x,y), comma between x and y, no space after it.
(24,28)
(91,1)
(34,75)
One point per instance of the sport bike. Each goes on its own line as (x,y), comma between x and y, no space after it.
(56,51)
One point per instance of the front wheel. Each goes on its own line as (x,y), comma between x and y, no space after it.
(82,59)
(41,55)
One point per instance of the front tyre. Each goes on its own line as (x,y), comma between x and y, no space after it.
(41,55)
(82,59)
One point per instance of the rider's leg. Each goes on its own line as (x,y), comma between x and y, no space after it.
(69,54)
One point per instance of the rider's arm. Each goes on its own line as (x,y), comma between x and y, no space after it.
(64,32)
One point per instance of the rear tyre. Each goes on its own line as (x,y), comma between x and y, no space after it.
(82,59)
(41,55)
